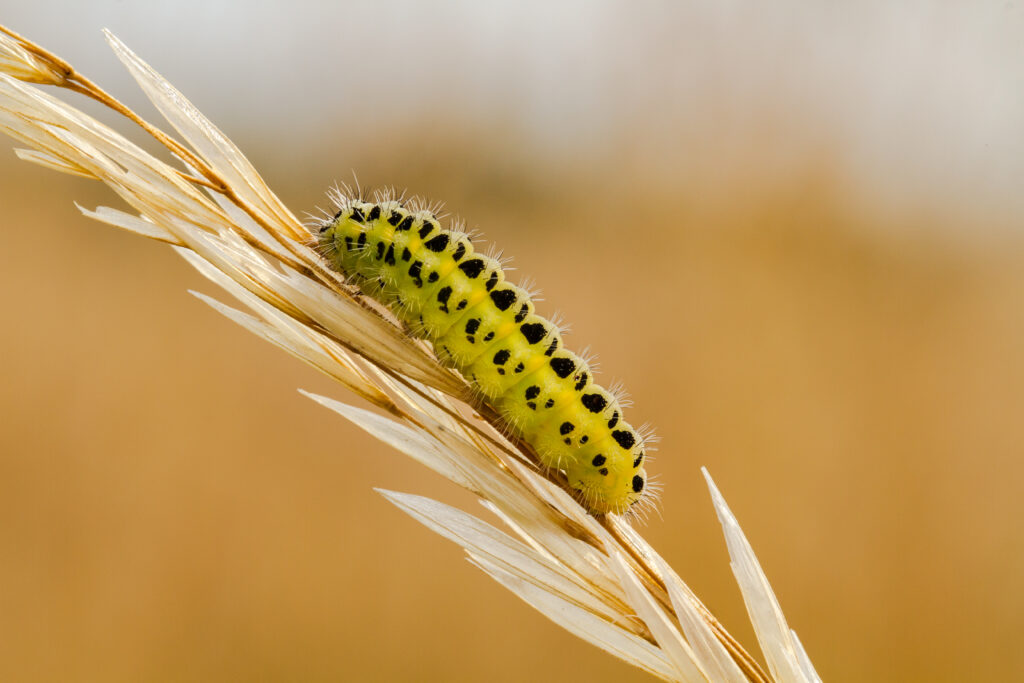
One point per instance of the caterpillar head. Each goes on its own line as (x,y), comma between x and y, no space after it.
(615,492)
(611,474)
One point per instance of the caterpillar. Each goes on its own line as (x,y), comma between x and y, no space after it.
(486,328)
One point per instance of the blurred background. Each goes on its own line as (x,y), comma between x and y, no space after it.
(811,213)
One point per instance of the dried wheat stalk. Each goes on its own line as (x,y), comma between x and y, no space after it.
(596,577)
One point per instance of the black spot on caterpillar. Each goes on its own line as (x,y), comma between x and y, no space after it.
(486,329)
(503,298)
(472,268)
(595,403)
(563,367)
(533,332)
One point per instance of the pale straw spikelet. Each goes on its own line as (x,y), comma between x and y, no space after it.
(595,576)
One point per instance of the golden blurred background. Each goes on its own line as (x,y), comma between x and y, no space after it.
(793,233)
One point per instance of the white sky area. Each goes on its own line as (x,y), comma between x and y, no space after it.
(923,101)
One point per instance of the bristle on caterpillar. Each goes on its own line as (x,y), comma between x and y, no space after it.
(446,292)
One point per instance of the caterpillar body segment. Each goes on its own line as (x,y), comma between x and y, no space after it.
(487,330)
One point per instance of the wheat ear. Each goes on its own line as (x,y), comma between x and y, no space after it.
(595,576)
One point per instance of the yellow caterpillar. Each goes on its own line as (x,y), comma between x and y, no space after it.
(486,329)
